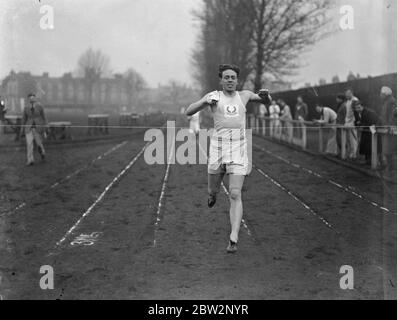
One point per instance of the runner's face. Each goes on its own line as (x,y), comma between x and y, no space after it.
(229,80)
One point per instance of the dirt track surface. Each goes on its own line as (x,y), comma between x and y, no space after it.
(300,228)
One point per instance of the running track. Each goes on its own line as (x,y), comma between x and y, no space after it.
(114,227)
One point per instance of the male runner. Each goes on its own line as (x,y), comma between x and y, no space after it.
(228,148)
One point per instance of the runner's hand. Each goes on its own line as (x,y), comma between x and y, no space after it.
(265,96)
(213,98)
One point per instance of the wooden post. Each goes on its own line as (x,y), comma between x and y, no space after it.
(343,143)
(264,126)
(304,137)
(291,132)
(320,139)
(294,130)
(281,137)
(374,156)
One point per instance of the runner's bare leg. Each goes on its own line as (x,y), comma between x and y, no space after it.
(236,205)
(214,183)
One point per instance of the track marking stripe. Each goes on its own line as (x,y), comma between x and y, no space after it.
(347,189)
(100,157)
(160,202)
(68,177)
(279,185)
(101,196)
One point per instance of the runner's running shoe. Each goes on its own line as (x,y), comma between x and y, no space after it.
(232,247)
(211,200)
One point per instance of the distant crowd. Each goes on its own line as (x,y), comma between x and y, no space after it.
(350,113)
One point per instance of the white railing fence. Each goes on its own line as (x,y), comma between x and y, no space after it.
(318,137)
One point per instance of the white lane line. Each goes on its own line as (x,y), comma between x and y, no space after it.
(100,157)
(347,189)
(245,225)
(160,202)
(101,196)
(68,177)
(290,193)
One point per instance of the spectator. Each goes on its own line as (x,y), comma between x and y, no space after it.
(34,125)
(274,111)
(301,114)
(367,119)
(3,111)
(351,134)
(302,110)
(262,111)
(388,119)
(328,117)
(262,114)
(340,120)
(286,116)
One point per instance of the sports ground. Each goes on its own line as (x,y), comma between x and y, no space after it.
(113,227)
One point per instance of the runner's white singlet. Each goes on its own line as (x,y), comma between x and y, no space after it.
(228,143)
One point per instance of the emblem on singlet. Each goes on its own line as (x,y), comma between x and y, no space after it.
(231,111)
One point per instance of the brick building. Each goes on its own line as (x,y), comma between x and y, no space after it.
(67,92)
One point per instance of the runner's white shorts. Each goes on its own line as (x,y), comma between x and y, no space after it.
(228,156)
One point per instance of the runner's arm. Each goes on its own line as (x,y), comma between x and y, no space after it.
(263,96)
(199,105)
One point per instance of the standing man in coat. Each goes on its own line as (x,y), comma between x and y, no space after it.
(388,119)
(352,134)
(328,117)
(286,117)
(34,126)
(301,113)
(340,119)
(366,119)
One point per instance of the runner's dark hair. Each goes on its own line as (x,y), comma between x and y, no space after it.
(224,67)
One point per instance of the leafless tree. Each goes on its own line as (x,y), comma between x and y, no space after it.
(226,33)
(177,95)
(262,36)
(134,85)
(93,65)
(283,30)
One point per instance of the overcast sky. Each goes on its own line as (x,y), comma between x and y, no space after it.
(156,37)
